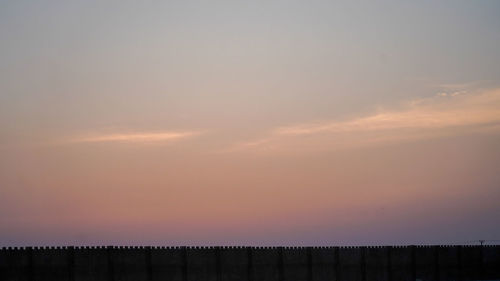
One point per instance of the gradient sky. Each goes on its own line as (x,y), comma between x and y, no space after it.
(249,122)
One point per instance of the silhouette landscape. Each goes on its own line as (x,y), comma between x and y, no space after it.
(250,140)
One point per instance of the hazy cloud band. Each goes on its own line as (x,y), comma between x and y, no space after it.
(423,118)
(137,137)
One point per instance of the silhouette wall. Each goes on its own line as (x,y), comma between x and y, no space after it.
(396,263)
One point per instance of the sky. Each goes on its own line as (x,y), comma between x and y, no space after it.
(303,123)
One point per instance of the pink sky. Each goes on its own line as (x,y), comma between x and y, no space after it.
(249,124)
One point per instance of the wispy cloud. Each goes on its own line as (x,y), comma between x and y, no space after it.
(424,118)
(142,137)
(457,86)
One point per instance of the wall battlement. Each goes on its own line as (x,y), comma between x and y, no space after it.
(370,263)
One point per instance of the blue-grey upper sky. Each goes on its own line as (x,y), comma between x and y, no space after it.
(258,120)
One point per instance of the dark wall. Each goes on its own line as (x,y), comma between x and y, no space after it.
(400,263)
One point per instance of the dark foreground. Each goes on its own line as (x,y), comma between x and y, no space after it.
(399,263)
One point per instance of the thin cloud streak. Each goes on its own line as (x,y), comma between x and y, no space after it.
(137,137)
(424,118)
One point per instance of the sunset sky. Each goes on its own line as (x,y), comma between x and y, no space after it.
(249,122)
